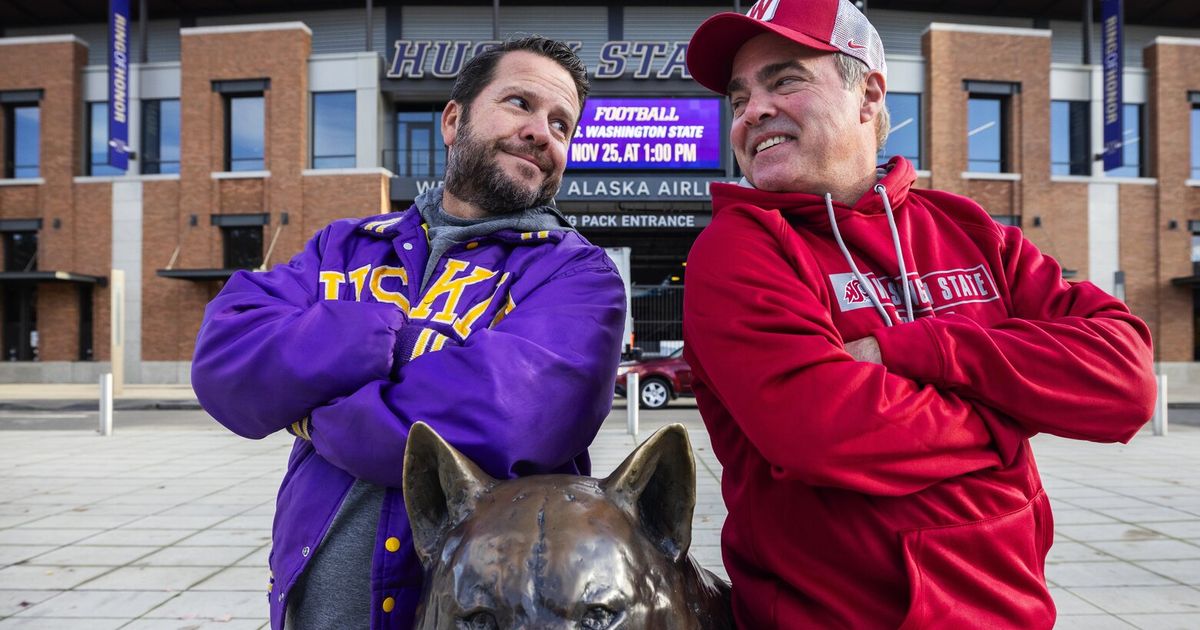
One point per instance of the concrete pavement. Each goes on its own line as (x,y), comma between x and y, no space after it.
(164,527)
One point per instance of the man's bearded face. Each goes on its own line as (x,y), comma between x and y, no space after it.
(474,174)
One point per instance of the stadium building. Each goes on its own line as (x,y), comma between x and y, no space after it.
(254,124)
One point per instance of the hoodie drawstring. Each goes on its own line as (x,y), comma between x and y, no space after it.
(880,190)
(862,281)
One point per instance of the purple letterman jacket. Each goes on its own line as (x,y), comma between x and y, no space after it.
(515,344)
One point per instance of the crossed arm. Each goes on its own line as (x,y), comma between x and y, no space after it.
(820,410)
(1071,360)
(525,396)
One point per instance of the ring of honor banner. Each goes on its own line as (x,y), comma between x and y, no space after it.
(1112,43)
(118,84)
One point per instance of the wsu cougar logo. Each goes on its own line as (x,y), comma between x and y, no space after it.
(854,293)
(849,292)
(763,10)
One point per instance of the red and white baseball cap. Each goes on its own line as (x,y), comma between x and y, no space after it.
(829,25)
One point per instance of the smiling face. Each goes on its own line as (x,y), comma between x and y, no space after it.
(796,127)
(508,148)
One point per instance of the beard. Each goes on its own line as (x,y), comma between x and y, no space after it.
(473,175)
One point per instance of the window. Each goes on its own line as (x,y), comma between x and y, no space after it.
(1195,135)
(19,238)
(244,132)
(22,133)
(1070,138)
(1195,225)
(905,136)
(97,157)
(160,136)
(1133,150)
(333,130)
(20,250)
(1195,229)
(86,339)
(420,150)
(243,246)
(242,239)
(986,134)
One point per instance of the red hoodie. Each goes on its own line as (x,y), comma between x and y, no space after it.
(903,494)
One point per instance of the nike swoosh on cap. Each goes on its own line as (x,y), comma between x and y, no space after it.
(851,44)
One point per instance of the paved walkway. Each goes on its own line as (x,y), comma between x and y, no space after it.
(165,528)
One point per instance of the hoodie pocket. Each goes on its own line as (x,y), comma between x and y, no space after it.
(984,574)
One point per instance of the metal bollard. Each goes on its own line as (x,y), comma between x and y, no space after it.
(106,403)
(1160,406)
(633,399)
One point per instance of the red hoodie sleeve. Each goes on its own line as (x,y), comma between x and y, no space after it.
(763,343)
(1071,360)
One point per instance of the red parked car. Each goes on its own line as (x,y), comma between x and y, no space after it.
(661,379)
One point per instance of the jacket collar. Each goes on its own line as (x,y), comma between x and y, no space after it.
(897,177)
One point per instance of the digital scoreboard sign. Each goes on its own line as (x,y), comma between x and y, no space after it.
(648,133)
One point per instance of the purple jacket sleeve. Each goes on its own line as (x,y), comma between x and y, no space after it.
(526,396)
(264,329)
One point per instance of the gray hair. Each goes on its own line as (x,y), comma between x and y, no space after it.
(853,72)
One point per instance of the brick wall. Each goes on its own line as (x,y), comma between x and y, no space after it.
(55,68)
(953,56)
(92,251)
(1063,232)
(172,308)
(328,198)
(1151,253)
(1173,71)
(1139,253)
(21,202)
(280,56)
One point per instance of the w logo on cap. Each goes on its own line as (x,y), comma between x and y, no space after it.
(763,10)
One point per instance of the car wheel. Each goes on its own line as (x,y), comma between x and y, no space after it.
(655,393)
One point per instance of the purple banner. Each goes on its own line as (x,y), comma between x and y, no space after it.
(1112,45)
(648,133)
(118,84)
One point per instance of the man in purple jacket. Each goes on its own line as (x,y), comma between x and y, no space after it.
(478,310)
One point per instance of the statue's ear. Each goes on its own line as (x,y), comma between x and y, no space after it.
(441,489)
(656,485)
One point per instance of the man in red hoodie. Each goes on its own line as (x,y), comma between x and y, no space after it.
(871,359)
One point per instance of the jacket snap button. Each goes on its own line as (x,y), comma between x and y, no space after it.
(304,552)
(408,247)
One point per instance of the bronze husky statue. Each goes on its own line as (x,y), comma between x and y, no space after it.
(552,552)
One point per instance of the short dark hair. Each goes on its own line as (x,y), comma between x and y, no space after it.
(477,73)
